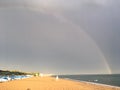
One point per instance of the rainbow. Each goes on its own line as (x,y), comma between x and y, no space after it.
(44,7)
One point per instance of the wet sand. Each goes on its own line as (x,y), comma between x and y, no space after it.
(49,83)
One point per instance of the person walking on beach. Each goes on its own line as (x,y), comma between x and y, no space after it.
(57,78)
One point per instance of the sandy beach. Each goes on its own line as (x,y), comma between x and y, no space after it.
(49,83)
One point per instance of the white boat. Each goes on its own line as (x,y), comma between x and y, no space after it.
(4,79)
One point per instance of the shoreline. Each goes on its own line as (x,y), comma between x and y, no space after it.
(92,83)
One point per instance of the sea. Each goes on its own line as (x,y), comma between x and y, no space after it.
(110,79)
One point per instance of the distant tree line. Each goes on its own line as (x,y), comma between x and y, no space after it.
(7,72)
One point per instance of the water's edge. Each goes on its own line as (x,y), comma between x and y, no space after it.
(104,80)
(92,83)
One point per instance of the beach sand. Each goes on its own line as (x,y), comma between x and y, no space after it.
(49,83)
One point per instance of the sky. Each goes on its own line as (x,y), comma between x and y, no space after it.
(60,36)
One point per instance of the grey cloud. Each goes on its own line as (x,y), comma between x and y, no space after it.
(40,40)
(102,24)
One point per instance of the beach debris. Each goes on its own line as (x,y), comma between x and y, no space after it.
(28,89)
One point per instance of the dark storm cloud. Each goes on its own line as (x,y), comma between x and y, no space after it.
(38,41)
